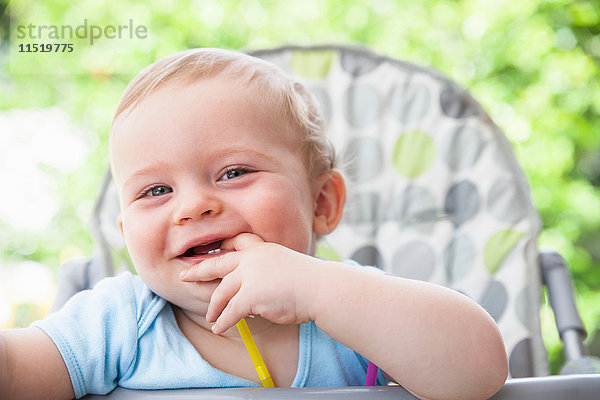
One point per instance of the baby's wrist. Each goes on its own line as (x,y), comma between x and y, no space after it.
(321,287)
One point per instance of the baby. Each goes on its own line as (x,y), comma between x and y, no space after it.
(225,180)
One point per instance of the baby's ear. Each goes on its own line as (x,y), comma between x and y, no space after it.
(329,199)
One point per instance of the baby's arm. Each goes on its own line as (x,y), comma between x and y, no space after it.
(31,367)
(432,340)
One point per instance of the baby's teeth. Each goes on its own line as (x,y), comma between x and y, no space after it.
(215,251)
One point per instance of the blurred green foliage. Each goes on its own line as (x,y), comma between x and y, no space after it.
(533,64)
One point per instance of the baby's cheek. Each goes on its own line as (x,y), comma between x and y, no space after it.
(142,240)
(291,228)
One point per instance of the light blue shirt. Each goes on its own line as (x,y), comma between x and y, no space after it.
(121,333)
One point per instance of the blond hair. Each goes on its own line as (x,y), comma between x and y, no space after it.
(272,86)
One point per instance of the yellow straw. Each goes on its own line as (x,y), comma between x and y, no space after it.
(259,364)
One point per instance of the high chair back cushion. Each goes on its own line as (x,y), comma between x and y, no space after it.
(434,190)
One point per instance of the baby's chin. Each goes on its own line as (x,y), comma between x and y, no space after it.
(193,318)
(191,297)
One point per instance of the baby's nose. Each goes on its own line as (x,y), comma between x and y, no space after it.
(197,207)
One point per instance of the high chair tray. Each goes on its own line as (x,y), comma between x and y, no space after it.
(572,387)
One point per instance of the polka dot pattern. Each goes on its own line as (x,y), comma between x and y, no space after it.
(415,208)
(414,260)
(368,255)
(497,248)
(456,103)
(521,360)
(327,252)
(361,105)
(433,189)
(409,102)
(505,201)
(364,212)
(462,147)
(313,64)
(495,299)
(413,153)
(459,258)
(356,65)
(363,157)
(462,202)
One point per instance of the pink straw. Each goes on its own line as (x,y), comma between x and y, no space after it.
(372,370)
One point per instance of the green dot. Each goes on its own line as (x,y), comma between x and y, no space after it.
(327,253)
(497,248)
(312,64)
(413,153)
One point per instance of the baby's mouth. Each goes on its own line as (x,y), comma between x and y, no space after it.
(208,249)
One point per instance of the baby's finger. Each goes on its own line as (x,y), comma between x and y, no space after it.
(221,297)
(236,310)
(241,241)
(211,268)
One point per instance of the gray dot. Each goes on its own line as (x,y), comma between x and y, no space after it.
(357,64)
(495,299)
(368,255)
(361,105)
(521,360)
(459,258)
(414,260)
(506,201)
(323,102)
(415,208)
(457,103)
(364,212)
(461,147)
(462,202)
(522,307)
(409,101)
(363,158)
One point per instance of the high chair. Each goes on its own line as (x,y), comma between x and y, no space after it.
(434,193)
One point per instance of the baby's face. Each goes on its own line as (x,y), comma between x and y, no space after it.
(198,164)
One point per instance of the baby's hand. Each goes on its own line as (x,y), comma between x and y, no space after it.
(259,278)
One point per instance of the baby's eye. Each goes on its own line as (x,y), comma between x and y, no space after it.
(233,173)
(155,191)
